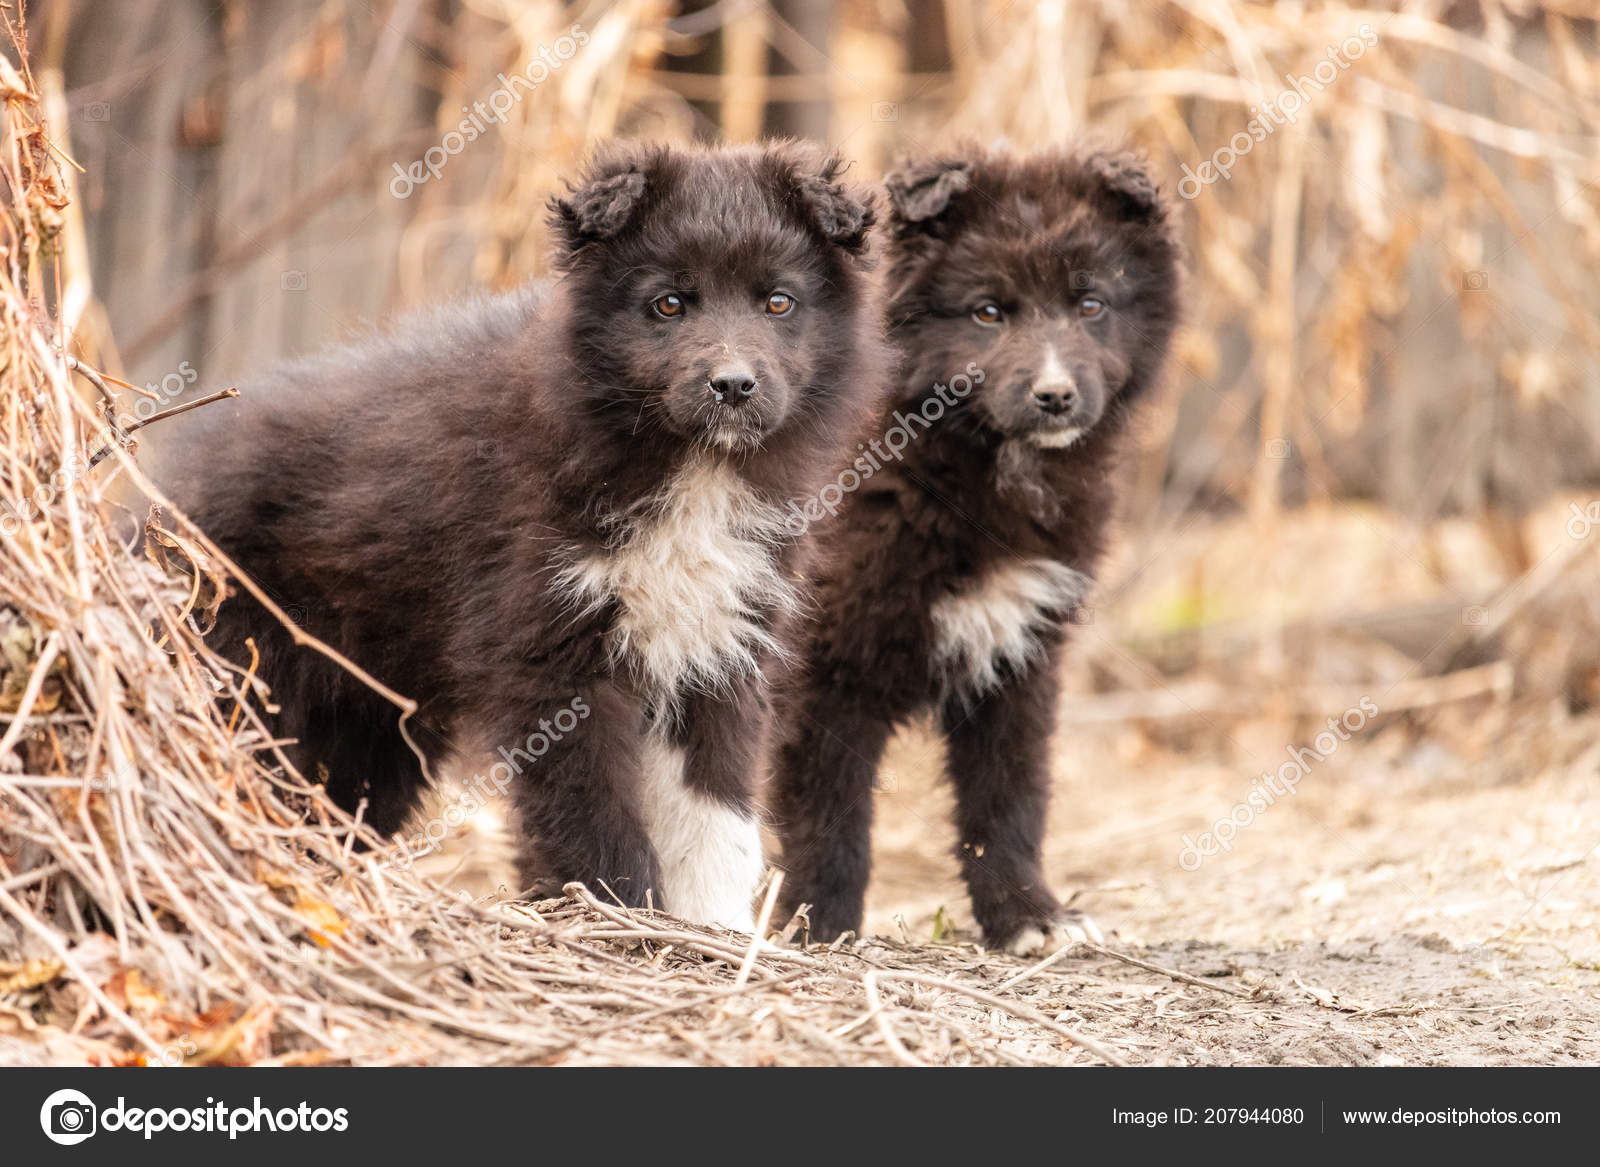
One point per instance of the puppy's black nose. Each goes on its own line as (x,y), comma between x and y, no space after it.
(732,387)
(1056,398)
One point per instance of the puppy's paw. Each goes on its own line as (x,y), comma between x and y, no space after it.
(1066,928)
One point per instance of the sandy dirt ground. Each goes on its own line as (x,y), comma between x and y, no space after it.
(1412,909)
(1429,894)
(1405,906)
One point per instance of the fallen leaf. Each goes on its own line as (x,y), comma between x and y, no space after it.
(29,974)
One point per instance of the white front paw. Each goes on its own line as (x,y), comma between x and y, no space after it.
(1068,928)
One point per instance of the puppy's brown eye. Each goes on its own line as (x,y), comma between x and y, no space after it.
(1091,308)
(780,304)
(988,313)
(668,307)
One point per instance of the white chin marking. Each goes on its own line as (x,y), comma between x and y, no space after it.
(995,622)
(1070,928)
(732,437)
(1056,439)
(710,853)
(693,569)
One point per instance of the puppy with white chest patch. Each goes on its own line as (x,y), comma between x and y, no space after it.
(1033,302)
(568,498)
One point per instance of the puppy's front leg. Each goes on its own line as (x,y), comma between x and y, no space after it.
(697,796)
(822,798)
(577,795)
(999,751)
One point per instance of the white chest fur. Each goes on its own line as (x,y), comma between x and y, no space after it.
(693,570)
(996,621)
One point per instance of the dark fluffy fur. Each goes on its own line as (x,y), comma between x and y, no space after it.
(414,497)
(1037,235)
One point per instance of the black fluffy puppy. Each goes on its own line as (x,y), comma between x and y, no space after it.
(556,520)
(1033,301)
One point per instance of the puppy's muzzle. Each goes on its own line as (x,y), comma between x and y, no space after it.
(732,384)
(1055,398)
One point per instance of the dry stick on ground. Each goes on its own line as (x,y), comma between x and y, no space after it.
(682,1006)
(635,927)
(869,982)
(761,928)
(1068,950)
(1150,966)
(1015,1008)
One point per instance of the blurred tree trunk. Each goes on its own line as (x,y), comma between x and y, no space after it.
(801,45)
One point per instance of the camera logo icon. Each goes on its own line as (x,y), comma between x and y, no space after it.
(885,111)
(1278,449)
(293,281)
(68,1117)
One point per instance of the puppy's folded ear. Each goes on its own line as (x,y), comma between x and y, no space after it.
(844,214)
(921,192)
(1127,185)
(604,202)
